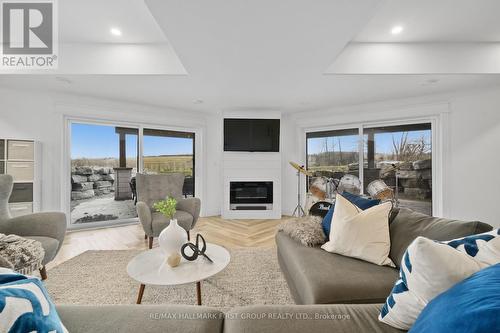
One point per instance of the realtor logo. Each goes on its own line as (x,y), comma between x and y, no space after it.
(29,34)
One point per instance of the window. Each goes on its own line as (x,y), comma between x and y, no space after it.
(104,163)
(169,152)
(401,156)
(333,153)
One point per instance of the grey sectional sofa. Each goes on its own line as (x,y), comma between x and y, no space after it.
(252,319)
(316,278)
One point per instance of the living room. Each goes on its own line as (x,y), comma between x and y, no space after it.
(190,166)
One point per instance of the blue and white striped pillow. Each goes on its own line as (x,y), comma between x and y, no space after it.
(429,268)
(25,305)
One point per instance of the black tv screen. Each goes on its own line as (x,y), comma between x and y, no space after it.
(254,135)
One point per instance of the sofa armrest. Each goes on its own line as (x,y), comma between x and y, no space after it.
(49,224)
(144,213)
(334,318)
(190,205)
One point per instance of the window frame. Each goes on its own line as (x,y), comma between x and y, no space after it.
(437,130)
(68,120)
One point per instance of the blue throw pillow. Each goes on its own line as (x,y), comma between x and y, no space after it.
(471,306)
(359,201)
(25,305)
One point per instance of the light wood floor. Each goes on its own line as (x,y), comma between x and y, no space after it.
(228,233)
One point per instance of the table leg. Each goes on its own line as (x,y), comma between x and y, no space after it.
(198,292)
(141,292)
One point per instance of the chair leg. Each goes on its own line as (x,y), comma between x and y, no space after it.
(145,236)
(43,273)
(150,242)
(189,235)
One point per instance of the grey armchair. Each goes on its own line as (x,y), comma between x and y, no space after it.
(47,228)
(153,188)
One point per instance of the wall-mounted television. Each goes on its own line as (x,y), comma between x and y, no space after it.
(252,135)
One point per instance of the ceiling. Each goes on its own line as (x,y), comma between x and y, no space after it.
(265,55)
(434,21)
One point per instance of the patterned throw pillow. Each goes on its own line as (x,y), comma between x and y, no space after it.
(25,305)
(429,268)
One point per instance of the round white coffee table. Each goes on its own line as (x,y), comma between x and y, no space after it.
(150,268)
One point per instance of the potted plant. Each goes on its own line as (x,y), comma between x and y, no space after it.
(173,236)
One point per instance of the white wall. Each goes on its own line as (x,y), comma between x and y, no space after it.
(40,116)
(471,154)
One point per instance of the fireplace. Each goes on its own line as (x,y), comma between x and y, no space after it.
(251,195)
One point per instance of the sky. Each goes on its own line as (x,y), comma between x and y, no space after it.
(100,141)
(383,142)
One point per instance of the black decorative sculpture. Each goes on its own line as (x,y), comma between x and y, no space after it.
(197,251)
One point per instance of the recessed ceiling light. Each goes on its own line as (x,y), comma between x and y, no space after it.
(116,32)
(396,30)
(198,101)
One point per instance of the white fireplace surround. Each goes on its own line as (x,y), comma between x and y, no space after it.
(252,167)
(250,175)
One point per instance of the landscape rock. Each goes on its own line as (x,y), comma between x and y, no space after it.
(80,195)
(422,164)
(425,174)
(109,177)
(83,186)
(102,183)
(75,179)
(94,178)
(84,171)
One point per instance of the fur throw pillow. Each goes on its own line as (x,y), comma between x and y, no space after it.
(306,230)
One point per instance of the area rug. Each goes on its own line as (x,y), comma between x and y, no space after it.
(99,277)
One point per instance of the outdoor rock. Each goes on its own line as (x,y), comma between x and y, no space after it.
(108,177)
(94,178)
(83,186)
(422,164)
(84,171)
(80,195)
(102,183)
(78,179)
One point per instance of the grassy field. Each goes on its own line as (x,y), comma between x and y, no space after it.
(157,164)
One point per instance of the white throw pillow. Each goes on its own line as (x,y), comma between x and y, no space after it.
(429,268)
(362,234)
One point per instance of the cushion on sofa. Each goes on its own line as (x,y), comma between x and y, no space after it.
(362,234)
(428,269)
(476,306)
(408,225)
(315,276)
(359,201)
(25,305)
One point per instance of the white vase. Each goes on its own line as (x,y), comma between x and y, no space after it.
(172,238)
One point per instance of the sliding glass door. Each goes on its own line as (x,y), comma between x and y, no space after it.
(104,163)
(333,154)
(400,156)
(170,152)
